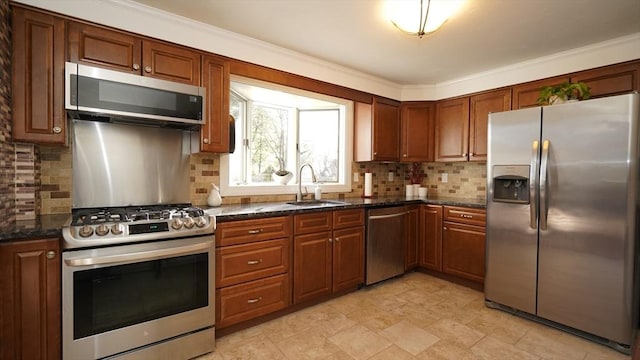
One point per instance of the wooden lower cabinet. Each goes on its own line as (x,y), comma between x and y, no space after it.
(430,237)
(249,300)
(463,242)
(327,261)
(252,269)
(348,258)
(30,315)
(412,235)
(312,266)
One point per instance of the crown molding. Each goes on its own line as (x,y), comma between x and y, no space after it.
(141,19)
(604,53)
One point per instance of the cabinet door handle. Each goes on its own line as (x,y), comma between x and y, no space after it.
(405,155)
(471,154)
(375,153)
(254,262)
(147,68)
(330,240)
(464,155)
(257,231)
(136,66)
(205,140)
(51,254)
(444,228)
(57,129)
(337,239)
(253,301)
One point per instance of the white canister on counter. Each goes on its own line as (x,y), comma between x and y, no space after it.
(422,192)
(409,190)
(318,192)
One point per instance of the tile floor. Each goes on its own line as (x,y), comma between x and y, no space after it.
(413,317)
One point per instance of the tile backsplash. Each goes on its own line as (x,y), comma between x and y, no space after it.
(465,180)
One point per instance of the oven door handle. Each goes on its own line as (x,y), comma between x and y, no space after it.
(138,256)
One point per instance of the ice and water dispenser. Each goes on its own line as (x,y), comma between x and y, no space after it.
(511,183)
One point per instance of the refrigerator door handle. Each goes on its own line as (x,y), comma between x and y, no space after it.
(533,173)
(543,184)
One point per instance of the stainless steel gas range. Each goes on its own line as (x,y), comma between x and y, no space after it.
(138,283)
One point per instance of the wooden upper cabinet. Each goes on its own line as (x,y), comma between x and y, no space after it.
(417,131)
(452,130)
(480,107)
(611,80)
(215,79)
(171,62)
(96,46)
(38,57)
(377,131)
(115,50)
(526,95)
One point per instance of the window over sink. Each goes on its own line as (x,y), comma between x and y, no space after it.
(282,128)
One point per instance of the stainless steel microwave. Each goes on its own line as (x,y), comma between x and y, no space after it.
(93,93)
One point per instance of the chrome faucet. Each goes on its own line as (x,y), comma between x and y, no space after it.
(300,196)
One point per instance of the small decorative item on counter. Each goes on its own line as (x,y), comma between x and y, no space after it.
(368,184)
(565,92)
(214,198)
(416,174)
(422,192)
(318,192)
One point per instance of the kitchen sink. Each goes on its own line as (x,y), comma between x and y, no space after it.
(316,202)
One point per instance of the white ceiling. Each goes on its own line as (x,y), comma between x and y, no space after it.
(484,35)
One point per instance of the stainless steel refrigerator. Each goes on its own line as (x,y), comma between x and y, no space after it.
(562,216)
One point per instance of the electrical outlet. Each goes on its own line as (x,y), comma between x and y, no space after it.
(356,177)
(390,176)
(444,177)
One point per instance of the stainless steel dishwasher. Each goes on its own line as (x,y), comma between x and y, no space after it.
(385,243)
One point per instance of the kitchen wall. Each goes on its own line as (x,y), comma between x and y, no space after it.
(465,179)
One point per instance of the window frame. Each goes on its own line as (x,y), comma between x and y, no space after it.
(345,143)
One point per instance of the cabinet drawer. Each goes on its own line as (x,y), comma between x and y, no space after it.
(239,303)
(248,231)
(463,215)
(241,263)
(348,218)
(314,222)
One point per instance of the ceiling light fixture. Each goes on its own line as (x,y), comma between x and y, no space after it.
(420,17)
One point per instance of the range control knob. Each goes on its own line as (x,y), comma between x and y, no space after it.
(188,223)
(102,230)
(85,231)
(200,222)
(117,229)
(176,224)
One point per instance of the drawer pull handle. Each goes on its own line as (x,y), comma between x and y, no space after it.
(257,231)
(254,262)
(253,301)
(466,216)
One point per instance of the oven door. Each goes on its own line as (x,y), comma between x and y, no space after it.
(121,298)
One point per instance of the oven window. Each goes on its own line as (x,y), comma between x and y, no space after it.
(114,297)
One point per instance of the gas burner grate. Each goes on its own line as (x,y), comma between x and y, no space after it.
(95,216)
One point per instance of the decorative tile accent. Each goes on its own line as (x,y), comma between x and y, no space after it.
(7,156)
(465,179)
(26,181)
(55,180)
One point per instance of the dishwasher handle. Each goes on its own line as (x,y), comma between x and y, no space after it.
(374,217)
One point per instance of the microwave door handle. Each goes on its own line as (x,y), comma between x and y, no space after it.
(544,170)
(533,182)
(138,256)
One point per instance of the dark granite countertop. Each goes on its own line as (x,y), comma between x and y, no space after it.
(50,225)
(44,226)
(270,209)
